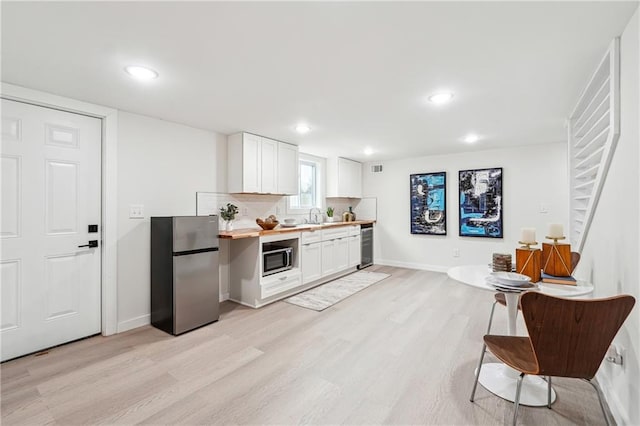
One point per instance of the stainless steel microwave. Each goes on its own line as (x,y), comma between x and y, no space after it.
(276,259)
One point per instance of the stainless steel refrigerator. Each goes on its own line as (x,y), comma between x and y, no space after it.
(184,272)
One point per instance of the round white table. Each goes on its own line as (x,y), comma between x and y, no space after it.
(498,378)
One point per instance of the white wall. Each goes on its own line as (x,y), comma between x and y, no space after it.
(611,255)
(532,176)
(160,165)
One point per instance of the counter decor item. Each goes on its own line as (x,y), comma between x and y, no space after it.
(329,214)
(556,257)
(228,214)
(528,258)
(480,203)
(290,223)
(428,203)
(348,216)
(269,223)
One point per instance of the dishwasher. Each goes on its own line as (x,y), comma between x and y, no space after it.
(366,245)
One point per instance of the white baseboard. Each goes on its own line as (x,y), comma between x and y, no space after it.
(619,412)
(411,265)
(132,323)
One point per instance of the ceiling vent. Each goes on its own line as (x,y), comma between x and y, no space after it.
(376,168)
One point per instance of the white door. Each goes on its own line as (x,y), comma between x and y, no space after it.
(328,263)
(341,253)
(251,163)
(311,260)
(269,159)
(354,250)
(51,172)
(288,169)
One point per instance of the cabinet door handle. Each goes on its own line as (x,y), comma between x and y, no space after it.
(282,278)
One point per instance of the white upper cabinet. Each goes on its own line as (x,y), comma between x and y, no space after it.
(269,166)
(261,165)
(287,169)
(344,178)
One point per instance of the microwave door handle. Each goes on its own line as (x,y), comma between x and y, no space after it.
(288,258)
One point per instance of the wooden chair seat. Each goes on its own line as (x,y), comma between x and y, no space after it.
(514,351)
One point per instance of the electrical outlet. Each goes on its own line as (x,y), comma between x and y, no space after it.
(277,209)
(136,211)
(456,252)
(616,355)
(544,208)
(245,211)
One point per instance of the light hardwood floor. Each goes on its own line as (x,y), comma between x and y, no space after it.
(402,351)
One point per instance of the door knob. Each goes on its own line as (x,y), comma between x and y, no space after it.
(92,244)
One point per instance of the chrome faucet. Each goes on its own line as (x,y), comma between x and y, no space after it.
(315,215)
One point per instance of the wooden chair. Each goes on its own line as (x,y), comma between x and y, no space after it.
(567,338)
(499,297)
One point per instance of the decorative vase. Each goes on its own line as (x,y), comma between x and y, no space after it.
(330,219)
(229,225)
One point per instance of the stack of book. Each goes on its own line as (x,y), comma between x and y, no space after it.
(553,279)
(501,262)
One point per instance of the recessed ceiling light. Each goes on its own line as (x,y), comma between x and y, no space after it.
(368,151)
(141,73)
(302,128)
(440,98)
(471,138)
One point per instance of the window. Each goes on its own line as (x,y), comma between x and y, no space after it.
(309,187)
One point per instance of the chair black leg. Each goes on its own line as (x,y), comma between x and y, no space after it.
(516,403)
(475,383)
(549,392)
(599,393)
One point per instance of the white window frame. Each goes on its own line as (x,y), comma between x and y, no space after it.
(320,183)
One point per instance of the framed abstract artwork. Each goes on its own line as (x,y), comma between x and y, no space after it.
(480,193)
(429,203)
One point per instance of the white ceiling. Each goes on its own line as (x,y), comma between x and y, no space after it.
(357,73)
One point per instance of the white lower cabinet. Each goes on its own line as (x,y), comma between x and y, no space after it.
(319,256)
(328,263)
(279,283)
(341,253)
(340,249)
(354,251)
(311,259)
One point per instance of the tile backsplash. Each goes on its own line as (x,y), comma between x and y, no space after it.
(252,206)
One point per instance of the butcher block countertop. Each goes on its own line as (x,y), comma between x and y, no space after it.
(255,232)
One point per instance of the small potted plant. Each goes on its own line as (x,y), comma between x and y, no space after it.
(329,214)
(228,214)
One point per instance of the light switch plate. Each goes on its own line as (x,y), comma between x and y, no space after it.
(136,211)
